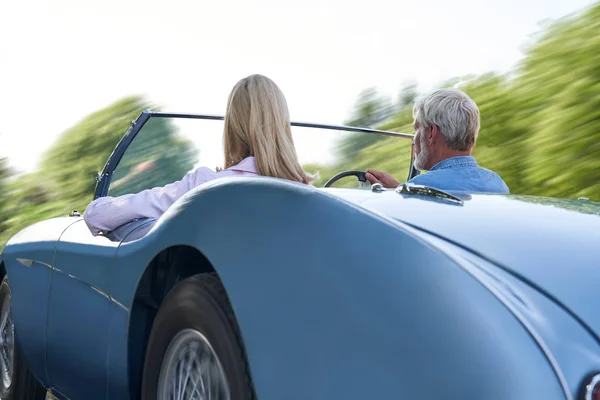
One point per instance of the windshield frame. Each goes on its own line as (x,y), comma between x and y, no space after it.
(103,179)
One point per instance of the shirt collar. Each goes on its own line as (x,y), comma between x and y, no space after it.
(246,165)
(453,162)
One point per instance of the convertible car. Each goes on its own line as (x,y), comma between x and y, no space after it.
(260,288)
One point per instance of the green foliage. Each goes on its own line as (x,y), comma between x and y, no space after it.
(362,151)
(370,109)
(66,178)
(375,111)
(559,95)
(540,130)
(540,127)
(5,172)
(80,152)
(170,158)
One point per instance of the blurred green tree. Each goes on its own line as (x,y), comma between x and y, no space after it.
(65,178)
(5,172)
(72,162)
(558,90)
(540,130)
(371,109)
(540,124)
(156,157)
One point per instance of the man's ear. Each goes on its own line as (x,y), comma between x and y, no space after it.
(433,134)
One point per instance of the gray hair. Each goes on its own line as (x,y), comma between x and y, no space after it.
(453,112)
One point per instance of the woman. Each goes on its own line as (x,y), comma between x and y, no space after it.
(257,140)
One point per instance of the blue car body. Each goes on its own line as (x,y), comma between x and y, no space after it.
(338,293)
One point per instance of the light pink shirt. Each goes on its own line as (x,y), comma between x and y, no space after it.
(108,213)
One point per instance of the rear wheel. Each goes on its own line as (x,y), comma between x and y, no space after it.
(195,349)
(17,382)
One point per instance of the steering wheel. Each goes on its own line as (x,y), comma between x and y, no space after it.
(362,179)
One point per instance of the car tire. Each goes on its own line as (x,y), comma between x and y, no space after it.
(199,308)
(23,385)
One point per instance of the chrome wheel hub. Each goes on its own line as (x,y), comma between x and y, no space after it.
(191,370)
(7,347)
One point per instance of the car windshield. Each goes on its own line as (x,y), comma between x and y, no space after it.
(167,147)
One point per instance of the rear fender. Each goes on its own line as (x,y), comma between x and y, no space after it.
(336,302)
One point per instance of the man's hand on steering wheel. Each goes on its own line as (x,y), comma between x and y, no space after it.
(382,177)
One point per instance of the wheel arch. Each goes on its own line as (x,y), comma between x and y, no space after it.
(2,269)
(167,268)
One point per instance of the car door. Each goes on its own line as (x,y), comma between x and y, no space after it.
(80,306)
(78,313)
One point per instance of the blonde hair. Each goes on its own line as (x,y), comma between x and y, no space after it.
(257,123)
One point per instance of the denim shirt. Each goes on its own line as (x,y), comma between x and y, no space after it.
(463,174)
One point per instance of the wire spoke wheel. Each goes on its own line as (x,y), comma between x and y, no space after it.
(191,370)
(7,345)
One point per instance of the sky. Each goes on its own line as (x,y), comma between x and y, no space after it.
(61,60)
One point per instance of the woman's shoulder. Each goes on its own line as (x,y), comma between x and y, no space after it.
(245,167)
(203,174)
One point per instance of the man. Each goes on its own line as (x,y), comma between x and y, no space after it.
(446,122)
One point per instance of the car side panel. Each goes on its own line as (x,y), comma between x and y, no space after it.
(334,302)
(78,315)
(120,322)
(117,367)
(28,258)
(576,352)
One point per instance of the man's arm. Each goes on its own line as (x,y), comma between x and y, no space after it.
(382,177)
